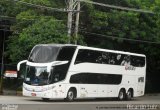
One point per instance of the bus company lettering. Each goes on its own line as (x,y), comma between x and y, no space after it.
(130,67)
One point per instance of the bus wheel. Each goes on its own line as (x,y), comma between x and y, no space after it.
(121,95)
(71,95)
(45,99)
(129,95)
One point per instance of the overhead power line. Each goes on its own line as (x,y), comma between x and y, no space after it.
(9,64)
(40,6)
(45,7)
(7,17)
(118,7)
(6,30)
(29,19)
(122,38)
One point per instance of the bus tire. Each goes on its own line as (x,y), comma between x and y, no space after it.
(129,95)
(121,95)
(71,95)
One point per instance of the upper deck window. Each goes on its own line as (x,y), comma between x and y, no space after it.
(93,56)
(50,53)
(44,54)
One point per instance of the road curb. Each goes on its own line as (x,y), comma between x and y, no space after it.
(9,92)
(154,94)
(12,92)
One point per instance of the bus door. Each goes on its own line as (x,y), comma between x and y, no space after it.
(141,84)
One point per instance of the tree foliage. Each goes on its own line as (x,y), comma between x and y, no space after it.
(46,30)
(125,24)
(33,25)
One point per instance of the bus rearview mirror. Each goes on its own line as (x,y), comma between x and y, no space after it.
(19,64)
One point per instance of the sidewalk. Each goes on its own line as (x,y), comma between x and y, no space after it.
(152,94)
(12,92)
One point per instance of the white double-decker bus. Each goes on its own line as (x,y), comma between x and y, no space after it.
(70,72)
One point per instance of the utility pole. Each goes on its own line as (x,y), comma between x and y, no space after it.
(77,22)
(69,24)
(2,65)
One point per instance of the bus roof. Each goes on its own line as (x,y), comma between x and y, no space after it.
(92,48)
(108,50)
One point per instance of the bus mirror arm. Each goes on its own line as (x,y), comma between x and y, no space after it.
(19,64)
(56,63)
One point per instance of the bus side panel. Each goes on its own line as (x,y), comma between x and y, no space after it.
(129,81)
(59,90)
(132,81)
(108,90)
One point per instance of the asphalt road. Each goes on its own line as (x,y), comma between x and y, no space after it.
(147,102)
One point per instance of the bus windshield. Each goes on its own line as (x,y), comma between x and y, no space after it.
(39,76)
(36,75)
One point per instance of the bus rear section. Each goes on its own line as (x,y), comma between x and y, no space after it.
(105,73)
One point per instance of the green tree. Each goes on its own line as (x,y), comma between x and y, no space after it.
(45,30)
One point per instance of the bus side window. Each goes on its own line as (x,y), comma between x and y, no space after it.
(56,78)
(89,56)
(137,61)
(80,56)
(103,58)
(78,78)
(126,60)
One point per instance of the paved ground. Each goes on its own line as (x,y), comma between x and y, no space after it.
(147,102)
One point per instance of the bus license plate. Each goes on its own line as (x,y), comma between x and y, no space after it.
(33,94)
